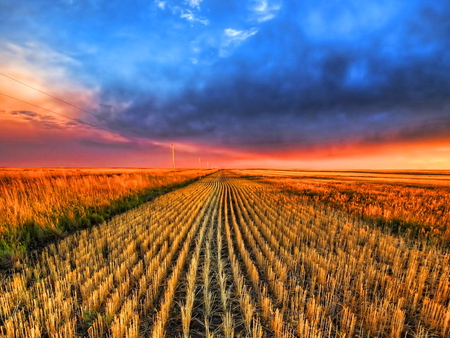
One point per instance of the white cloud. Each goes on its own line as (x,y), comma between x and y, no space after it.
(261,6)
(188,10)
(233,38)
(232,32)
(161,4)
(263,10)
(190,16)
(194,3)
(235,35)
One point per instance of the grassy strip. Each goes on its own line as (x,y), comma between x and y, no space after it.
(32,236)
(412,229)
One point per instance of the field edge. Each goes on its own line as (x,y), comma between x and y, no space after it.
(33,237)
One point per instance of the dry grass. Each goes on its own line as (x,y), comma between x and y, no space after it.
(36,202)
(402,202)
(228,257)
(402,208)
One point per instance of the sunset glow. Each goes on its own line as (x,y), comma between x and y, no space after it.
(253,84)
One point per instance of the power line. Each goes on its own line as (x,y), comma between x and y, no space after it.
(66,116)
(53,97)
(79,108)
(68,103)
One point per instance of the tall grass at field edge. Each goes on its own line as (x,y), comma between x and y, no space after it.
(408,225)
(31,235)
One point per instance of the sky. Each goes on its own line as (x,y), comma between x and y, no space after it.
(362,84)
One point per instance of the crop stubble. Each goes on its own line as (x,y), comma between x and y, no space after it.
(228,257)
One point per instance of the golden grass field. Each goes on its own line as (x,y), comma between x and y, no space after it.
(241,254)
(414,202)
(43,202)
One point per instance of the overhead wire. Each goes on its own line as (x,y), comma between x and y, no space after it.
(70,104)
(65,116)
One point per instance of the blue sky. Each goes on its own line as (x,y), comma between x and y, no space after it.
(258,76)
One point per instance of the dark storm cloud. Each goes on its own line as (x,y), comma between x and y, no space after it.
(257,74)
(46,121)
(288,86)
(24,112)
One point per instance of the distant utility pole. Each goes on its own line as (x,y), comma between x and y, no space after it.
(173,156)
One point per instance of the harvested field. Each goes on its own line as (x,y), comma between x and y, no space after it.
(413,203)
(230,257)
